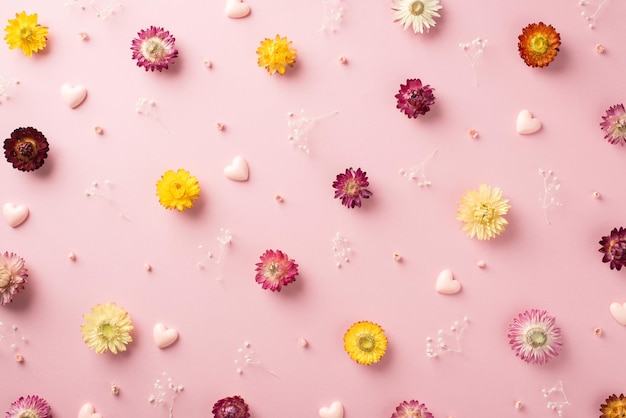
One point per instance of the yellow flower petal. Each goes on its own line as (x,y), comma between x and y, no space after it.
(177,190)
(483,212)
(23,32)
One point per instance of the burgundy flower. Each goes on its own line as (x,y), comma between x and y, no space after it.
(614,248)
(276,269)
(415,99)
(351,187)
(26,149)
(231,407)
(154,49)
(614,124)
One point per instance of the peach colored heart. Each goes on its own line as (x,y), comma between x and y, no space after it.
(163,336)
(88,411)
(73,95)
(238,170)
(446,284)
(236,9)
(526,123)
(335,410)
(618,310)
(15,215)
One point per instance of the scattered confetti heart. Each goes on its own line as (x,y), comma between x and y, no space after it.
(446,283)
(526,124)
(236,9)
(335,410)
(73,95)
(88,411)
(163,336)
(238,170)
(618,311)
(15,215)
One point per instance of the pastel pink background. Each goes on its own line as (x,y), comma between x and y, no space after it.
(532,265)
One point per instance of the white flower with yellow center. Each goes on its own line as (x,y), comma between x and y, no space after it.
(419,14)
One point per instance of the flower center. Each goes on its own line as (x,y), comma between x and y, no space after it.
(352,187)
(230,411)
(27,413)
(620,125)
(539,44)
(26,33)
(536,337)
(366,343)
(107,330)
(154,49)
(484,214)
(273,272)
(177,190)
(417,8)
(5,280)
(26,149)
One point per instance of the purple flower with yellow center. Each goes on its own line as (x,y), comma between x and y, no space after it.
(614,248)
(231,407)
(614,125)
(154,49)
(411,409)
(534,336)
(275,270)
(29,407)
(26,149)
(414,98)
(13,276)
(351,187)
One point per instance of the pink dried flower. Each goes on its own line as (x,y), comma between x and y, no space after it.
(614,125)
(276,269)
(411,409)
(13,276)
(154,49)
(415,99)
(29,407)
(231,407)
(351,187)
(534,336)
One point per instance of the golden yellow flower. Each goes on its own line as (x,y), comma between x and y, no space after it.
(365,342)
(483,212)
(615,407)
(23,32)
(276,54)
(107,327)
(177,190)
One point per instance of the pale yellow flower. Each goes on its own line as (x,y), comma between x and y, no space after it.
(107,328)
(483,212)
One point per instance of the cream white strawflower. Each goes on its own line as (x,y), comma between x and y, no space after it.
(419,14)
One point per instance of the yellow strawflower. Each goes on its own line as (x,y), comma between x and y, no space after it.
(483,212)
(177,190)
(23,32)
(276,54)
(365,342)
(107,328)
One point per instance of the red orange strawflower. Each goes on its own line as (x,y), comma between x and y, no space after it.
(538,44)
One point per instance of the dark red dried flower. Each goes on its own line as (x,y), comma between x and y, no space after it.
(231,407)
(614,248)
(26,149)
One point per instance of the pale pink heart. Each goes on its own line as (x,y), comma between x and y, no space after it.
(618,310)
(526,124)
(446,283)
(163,336)
(236,9)
(73,95)
(335,410)
(15,215)
(88,411)
(238,170)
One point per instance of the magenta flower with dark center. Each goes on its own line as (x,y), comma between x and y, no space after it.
(232,407)
(26,149)
(414,98)
(275,270)
(29,407)
(350,187)
(614,248)
(614,125)
(154,49)
(411,409)
(534,336)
